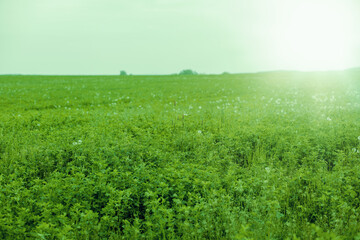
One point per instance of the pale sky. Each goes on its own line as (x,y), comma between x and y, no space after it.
(167,36)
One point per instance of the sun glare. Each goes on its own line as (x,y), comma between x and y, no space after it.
(317,37)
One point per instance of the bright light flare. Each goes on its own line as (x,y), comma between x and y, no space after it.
(320,35)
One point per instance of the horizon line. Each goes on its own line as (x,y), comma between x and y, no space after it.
(177,74)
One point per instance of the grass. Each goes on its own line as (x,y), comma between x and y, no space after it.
(251,156)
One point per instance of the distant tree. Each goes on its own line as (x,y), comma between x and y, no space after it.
(225,73)
(123,73)
(188,72)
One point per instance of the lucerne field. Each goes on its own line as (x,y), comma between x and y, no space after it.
(250,156)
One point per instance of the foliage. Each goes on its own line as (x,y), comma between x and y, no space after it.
(188,72)
(253,156)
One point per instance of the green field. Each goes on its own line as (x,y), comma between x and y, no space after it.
(248,156)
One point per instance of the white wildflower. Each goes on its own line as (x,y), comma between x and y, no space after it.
(77,143)
(199,131)
(328,118)
(355,150)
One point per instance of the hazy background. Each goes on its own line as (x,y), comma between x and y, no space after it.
(163,37)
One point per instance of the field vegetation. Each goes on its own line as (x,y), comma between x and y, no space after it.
(248,156)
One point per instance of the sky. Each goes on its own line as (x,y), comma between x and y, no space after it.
(166,36)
